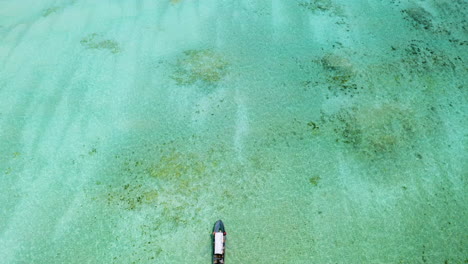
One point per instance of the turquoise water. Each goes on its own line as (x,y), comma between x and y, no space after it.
(320,131)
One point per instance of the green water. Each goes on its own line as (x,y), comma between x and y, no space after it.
(320,131)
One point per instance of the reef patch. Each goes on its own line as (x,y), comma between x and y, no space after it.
(203,67)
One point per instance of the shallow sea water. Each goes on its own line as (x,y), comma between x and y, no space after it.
(320,131)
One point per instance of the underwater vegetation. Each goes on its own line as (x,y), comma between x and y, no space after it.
(419,57)
(375,131)
(164,180)
(169,185)
(50,11)
(173,165)
(136,196)
(422,19)
(9,162)
(336,63)
(458,22)
(8,170)
(167,180)
(314,180)
(95,41)
(148,182)
(200,66)
(419,17)
(317,5)
(321,6)
(313,125)
(160,183)
(340,73)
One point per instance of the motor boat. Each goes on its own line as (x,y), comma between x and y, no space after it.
(219,242)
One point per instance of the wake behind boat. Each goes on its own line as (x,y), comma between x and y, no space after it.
(219,242)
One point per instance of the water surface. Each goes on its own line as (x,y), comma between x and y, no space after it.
(320,131)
